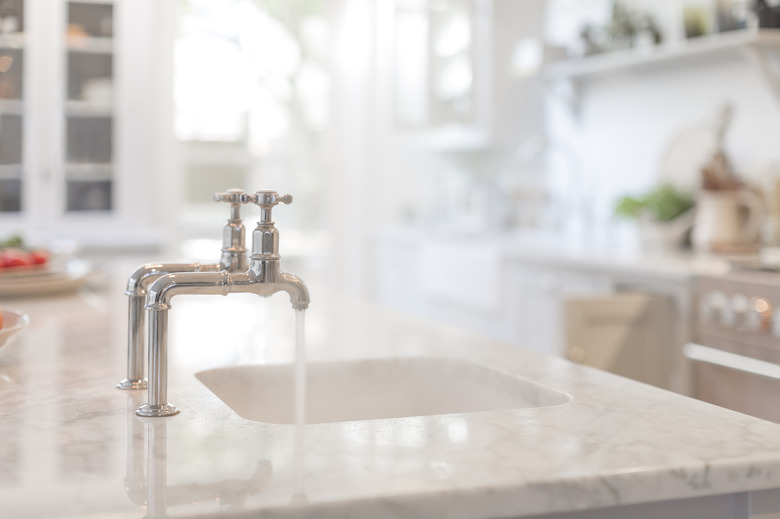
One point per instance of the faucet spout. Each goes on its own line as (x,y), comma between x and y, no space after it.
(264,277)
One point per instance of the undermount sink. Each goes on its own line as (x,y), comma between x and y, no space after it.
(372,389)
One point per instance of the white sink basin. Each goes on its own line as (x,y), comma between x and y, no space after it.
(374,389)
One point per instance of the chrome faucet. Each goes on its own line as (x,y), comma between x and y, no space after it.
(264,277)
(233,259)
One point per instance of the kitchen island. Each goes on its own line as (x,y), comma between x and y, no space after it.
(73,446)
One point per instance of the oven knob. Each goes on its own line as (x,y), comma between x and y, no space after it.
(713,305)
(733,315)
(759,317)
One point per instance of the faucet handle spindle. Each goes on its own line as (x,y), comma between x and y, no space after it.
(232,196)
(266,200)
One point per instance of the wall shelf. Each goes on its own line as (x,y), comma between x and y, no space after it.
(11,106)
(85,172)
(10,171)
(753,44)
(12,41)
(79,108)
(680,52)
(90,44)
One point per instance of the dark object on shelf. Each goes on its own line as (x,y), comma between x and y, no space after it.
(622,28)
(731,15)
(590,43)
(768,16)
(648,32)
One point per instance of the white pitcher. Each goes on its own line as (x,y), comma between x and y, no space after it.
(727,221)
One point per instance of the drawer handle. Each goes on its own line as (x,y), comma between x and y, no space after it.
(707,355)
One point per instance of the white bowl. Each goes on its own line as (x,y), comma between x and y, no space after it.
(13,323)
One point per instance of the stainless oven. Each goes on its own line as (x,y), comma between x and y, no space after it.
(735,359)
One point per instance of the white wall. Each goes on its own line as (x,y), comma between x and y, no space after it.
(629,119)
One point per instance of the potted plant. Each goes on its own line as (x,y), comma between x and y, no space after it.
(664,215)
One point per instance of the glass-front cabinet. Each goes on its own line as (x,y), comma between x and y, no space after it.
(88,109)
(12,58)
(81,126)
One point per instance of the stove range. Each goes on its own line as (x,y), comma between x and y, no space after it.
(735,359)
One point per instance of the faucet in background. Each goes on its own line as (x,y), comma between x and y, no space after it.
(264,277)
(233,259)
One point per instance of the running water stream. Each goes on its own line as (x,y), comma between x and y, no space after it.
(299,495)
(300,367)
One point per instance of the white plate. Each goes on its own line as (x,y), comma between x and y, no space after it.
(685,155)
(46,281)
(13,323)
(33,270)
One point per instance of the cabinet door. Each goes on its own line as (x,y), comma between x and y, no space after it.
(537,304)
(78,88)
(14,92)
(629,334)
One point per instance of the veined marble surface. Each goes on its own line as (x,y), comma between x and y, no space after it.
(72,446)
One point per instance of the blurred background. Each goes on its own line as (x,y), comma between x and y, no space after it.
(392,123)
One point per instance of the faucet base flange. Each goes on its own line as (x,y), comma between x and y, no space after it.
(136,383)
(156,411)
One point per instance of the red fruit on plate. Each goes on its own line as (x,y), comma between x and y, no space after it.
(39,257)
(15,258)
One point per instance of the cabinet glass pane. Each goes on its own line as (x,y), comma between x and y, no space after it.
(90,20)
(11,93)
(10,195)
(10,139)
(11,16)
(89,140)
(89,195)
(89,119)
(10,72)
(90,77)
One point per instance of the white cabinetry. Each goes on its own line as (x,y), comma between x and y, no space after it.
(626,318)
(82,131)
(538,297)
(625,333)
(458,280)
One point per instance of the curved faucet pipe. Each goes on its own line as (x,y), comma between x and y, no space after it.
(137,286)
(264,278)
(233,259)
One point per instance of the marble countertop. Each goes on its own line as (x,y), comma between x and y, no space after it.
(73,447)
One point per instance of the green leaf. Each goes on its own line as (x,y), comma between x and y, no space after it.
(663,204)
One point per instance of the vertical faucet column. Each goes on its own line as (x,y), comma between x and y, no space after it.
(233,259)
